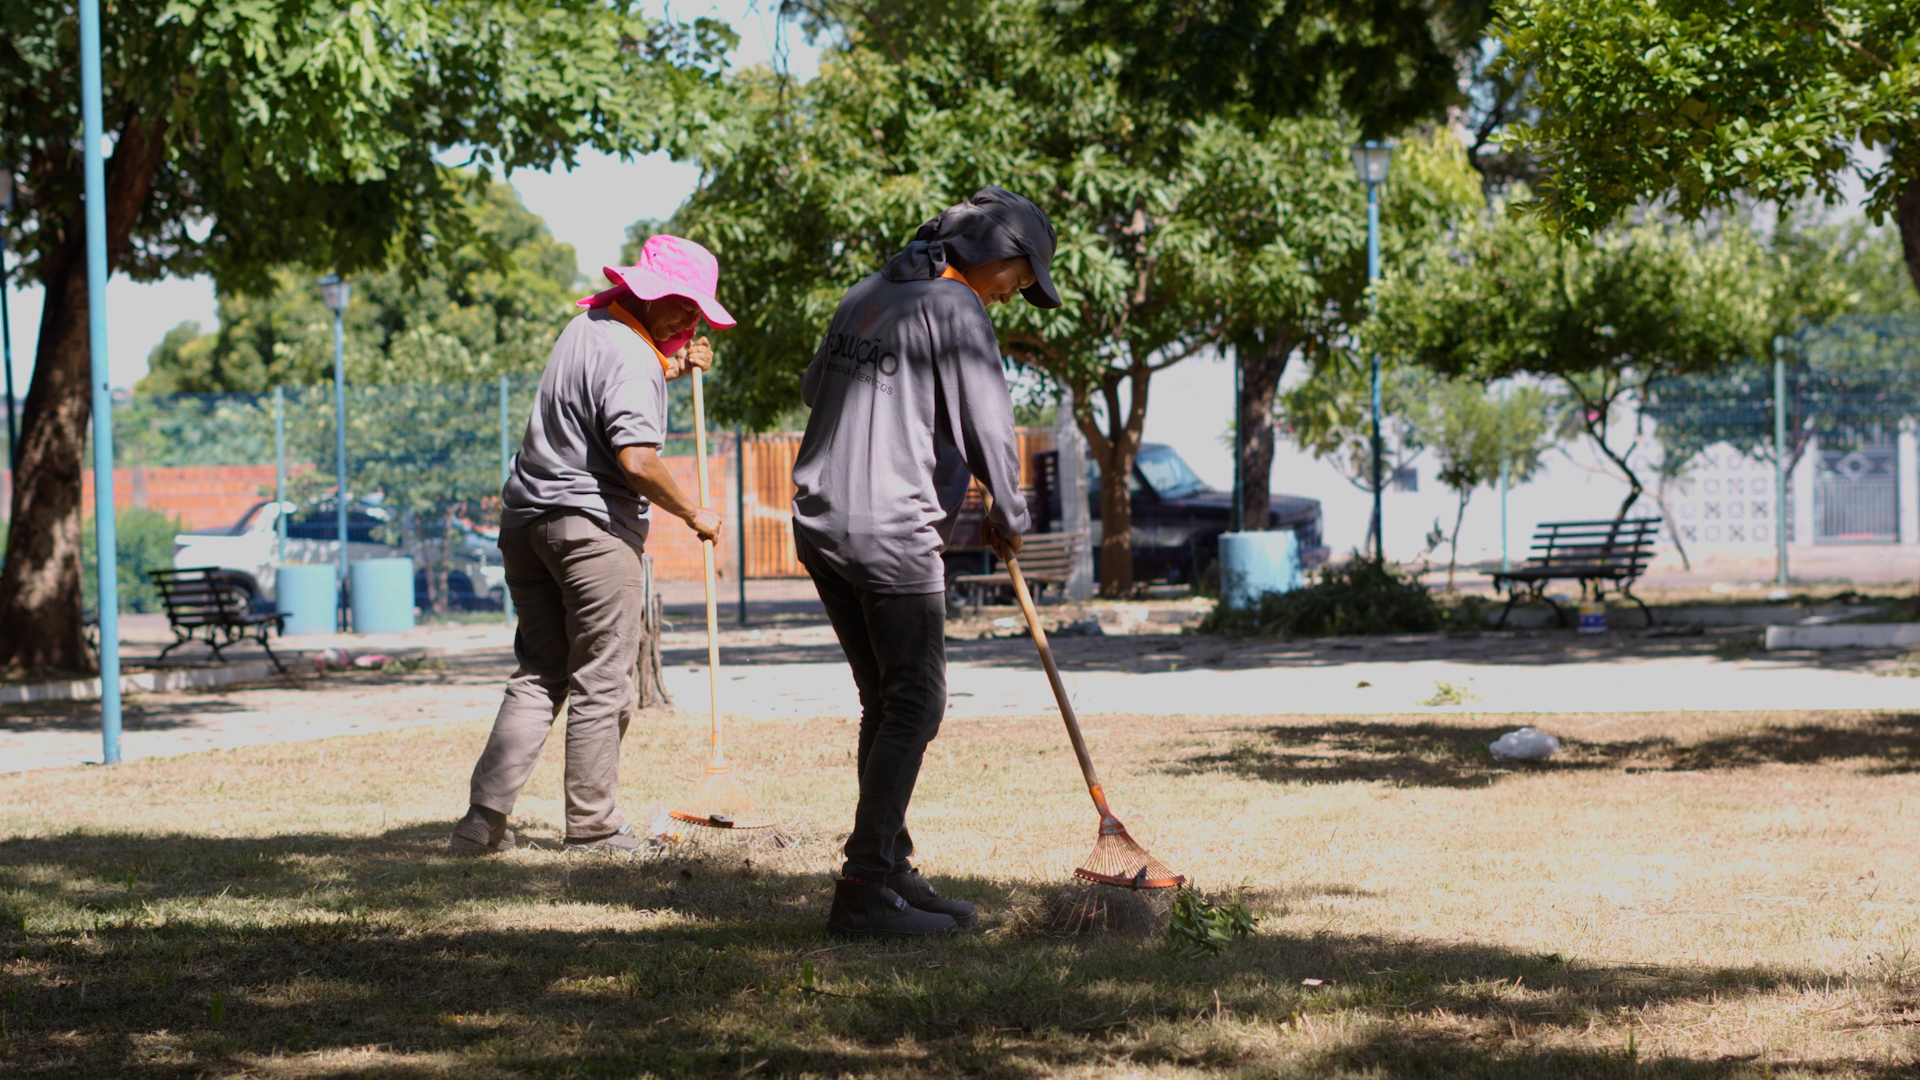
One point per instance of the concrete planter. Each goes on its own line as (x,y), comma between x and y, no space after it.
(1859,636)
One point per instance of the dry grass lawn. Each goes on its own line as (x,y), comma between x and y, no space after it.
(1684,896)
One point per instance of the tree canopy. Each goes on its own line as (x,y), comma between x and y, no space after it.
(1605,320)
(1692,104)
(487,307)
(1174,232)
(247,137)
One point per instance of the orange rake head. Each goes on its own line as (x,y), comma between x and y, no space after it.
(1118,859)
(720,801)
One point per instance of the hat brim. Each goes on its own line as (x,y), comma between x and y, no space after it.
(647,285)
(1041,293)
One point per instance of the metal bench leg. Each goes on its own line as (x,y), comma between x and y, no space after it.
(170,648)
(1627,592)
(1513,597)
(1559,616)
(265,645)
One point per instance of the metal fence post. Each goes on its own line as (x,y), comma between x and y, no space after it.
(279,484)
(506,466)
(1780,521)
(106,546)
(740,514)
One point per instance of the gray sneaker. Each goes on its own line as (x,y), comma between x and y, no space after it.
(626,844)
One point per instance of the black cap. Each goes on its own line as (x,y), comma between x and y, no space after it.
(1027,224)
(997,224)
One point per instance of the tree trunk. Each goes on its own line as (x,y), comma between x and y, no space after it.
(1115,450)
(650,686)
(1116,518)
(1261,366)
(1453,542)
(40,617)
(1906,212)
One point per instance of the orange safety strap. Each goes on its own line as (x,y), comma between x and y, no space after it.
(633,324)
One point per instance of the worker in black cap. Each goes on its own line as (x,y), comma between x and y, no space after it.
(910,404)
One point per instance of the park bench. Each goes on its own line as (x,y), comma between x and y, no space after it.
(1597,554)
(1045,559)
(217,606)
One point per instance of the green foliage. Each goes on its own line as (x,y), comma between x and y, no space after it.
(1202,927)
(817,185)
(1390,64)
(1694,103)
(489,306)
(306,130)
(144,540)
(1475,433)
(1315,296)
(1363,596)
(1171,230)
(1605,319)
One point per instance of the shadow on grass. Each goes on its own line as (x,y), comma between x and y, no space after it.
(1456,755)
(394,960)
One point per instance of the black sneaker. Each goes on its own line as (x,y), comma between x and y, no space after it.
(481,832)
(918,891)
(625,843)
(862,909)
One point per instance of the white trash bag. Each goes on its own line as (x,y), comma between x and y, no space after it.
(1525,744)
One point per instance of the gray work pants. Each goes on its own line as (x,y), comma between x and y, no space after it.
(579,592)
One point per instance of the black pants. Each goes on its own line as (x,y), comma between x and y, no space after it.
(897,647)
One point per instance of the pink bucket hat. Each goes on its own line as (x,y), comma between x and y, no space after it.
(668,266)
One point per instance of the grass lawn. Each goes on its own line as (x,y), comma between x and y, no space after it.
(1687,896)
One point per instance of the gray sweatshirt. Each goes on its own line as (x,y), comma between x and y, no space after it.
(909,402)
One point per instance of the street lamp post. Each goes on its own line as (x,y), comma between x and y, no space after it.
(1372,159)
(6,325)
(334,293)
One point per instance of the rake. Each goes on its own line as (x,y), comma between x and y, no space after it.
(718,800)
(1117,858)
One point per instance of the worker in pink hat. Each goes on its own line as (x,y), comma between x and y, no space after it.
(578,505)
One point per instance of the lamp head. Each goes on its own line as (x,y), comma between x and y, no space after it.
(333,293)
(1372,159)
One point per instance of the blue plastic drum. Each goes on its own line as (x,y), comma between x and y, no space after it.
(380,595)
(1253,564)
(307,596)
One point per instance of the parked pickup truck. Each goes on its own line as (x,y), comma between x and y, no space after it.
(248,545)
(1177,518)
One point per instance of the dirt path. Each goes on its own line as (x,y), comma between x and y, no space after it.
(795,670)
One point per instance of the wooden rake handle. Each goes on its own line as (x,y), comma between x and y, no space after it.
(1059,687)
(706,550)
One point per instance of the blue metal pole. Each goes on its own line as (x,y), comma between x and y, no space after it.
(506,466)
(1373,274)
(279,484)
(340,449)
(740,514)
(1780,520)
(1503,500)
(105,544)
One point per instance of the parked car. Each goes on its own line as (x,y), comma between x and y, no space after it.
(248,546)
(1177,518)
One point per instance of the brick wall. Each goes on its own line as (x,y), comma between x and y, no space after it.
(204,497)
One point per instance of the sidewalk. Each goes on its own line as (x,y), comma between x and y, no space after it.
(795,670)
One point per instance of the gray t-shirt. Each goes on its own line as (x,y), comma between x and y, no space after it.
(909,404)
(603,391)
